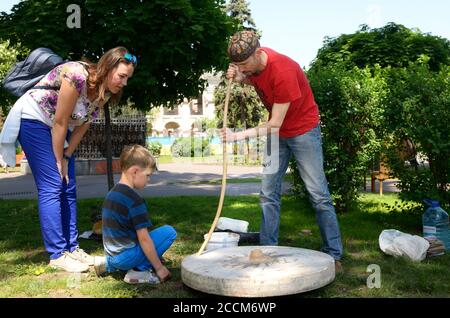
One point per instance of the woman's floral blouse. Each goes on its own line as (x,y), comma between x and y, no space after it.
(76,74)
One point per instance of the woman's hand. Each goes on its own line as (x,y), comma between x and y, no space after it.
(63,169)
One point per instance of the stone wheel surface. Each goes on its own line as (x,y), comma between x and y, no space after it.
(257,271)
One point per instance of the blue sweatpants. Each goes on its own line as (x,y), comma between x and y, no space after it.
(134,258)
(57,200)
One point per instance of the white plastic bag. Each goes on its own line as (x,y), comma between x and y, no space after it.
(396,243)
(234,225)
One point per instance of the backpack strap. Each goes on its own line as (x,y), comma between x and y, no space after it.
(55,88)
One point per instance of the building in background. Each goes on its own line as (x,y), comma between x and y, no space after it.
(179,121)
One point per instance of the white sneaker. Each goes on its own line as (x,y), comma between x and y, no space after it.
(67,263)
(82,256)
(144,277)
(100,265)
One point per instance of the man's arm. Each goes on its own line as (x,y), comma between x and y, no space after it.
(278,113)
(148,247)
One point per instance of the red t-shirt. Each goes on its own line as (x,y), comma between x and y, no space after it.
(283,81)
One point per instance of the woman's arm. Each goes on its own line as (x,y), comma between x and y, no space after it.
(75,138)
(67,99)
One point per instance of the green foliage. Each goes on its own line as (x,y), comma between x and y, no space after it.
(384,93)
(191,147)
(154,147)
(8,57)
(418,114)
(240,11)
(206,125)
(392,45)
(175,41)
(245,109)
(350,105)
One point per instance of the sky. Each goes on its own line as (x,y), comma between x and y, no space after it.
(297,28)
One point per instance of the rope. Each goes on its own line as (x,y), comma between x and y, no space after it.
(224,172)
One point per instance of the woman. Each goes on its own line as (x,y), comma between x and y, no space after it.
(52,124)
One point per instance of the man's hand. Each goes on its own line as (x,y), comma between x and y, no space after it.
(233,73)
(227,135)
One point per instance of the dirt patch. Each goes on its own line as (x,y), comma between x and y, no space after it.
(64,293)
(33,253)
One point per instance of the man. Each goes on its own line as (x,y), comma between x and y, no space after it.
(284,89)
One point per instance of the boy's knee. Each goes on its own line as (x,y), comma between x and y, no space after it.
(170,231)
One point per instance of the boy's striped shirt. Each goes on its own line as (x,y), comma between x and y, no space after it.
(124,211)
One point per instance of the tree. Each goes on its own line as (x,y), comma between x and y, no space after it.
(392,45)
(245,108)
(412,112)
(8,56)
(175,41)
(239,10)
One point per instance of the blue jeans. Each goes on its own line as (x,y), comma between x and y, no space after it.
(134,257)
(307,150)
(57,200)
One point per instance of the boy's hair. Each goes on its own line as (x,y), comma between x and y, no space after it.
(136,155)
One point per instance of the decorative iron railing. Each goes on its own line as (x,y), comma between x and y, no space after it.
(125,130)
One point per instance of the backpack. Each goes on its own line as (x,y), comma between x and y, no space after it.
(27,73)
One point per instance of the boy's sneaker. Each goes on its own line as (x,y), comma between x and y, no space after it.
(144,277)
(82,256)
(100,265)
(67,263)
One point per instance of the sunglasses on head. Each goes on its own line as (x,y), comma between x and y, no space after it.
(130,58)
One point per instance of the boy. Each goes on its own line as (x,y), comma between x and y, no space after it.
(128,244)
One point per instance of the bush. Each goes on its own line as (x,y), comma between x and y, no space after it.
(155,148)
(350,106)
(191,147)
(417,114)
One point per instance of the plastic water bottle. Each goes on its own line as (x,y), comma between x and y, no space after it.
(435,223)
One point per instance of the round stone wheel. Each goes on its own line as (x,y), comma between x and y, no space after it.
(257,271)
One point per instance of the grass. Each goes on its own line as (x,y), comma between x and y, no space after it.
(9,169)
(24,271)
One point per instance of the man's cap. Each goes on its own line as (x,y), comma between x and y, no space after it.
(242,45)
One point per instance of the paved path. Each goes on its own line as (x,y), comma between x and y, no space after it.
(170,180)
(173,179)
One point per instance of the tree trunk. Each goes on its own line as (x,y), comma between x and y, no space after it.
(109,170)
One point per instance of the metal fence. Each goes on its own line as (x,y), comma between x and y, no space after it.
(125,130)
